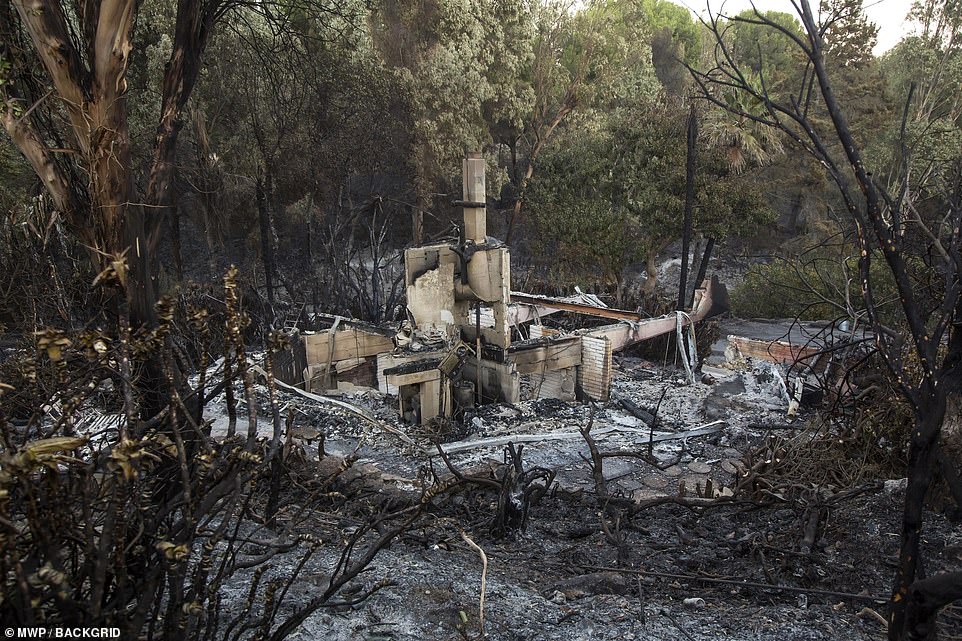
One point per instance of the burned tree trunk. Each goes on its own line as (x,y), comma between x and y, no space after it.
(923,457)
(417,220)
(689,204)
(267,233)
(702,269)
(927,598)
(175,242)
(195,21)
(651,273)
(929,332)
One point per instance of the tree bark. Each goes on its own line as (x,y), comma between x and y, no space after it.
(923,458)
(417,221)
(928,596)
(702,268)
(651,273)
(195,20)
(267,235)
(175,243)
(543,137)
(689,204)
(93,94)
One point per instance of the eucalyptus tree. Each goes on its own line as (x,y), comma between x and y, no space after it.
(66,89)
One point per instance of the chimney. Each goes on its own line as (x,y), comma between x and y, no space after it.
(475,221)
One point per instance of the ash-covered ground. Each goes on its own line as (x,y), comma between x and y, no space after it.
(682,572)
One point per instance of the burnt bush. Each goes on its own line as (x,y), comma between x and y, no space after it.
(110,517)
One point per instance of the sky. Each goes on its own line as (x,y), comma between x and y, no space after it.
(889,15)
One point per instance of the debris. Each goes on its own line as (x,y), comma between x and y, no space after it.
(499,441)
(771,427)
(699,467)
(484,577)
(869,613)
(896,486)
(795,397)
(354,409)
(740,583)
(459,295)
(637,412)
(777,352)
(591,584)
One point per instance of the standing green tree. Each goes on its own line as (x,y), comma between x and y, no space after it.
(675,43)
(610,194)
(578,219)
(849,35)
(595,56)
(459,64)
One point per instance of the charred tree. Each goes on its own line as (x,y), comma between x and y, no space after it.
(263,189)
(702,269)
(689,203)
(929,334)
(195,23)
(86,69)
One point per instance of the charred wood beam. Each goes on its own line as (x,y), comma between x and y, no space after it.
(578,308)
(689,203)
(638,412)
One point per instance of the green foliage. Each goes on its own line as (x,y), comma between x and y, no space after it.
(610,193)
(678,20)
(610,40)
(818,285)
(152,48)
(766,51)
(675,42)
(651,154)
(940,20)
(573,203)
(460,65)
(849,35)
(928,67)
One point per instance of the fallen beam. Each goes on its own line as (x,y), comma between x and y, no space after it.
(778,352)
(500,441)
(567,305)
(621,335)
(520,313)
(638,412)
(546,304)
